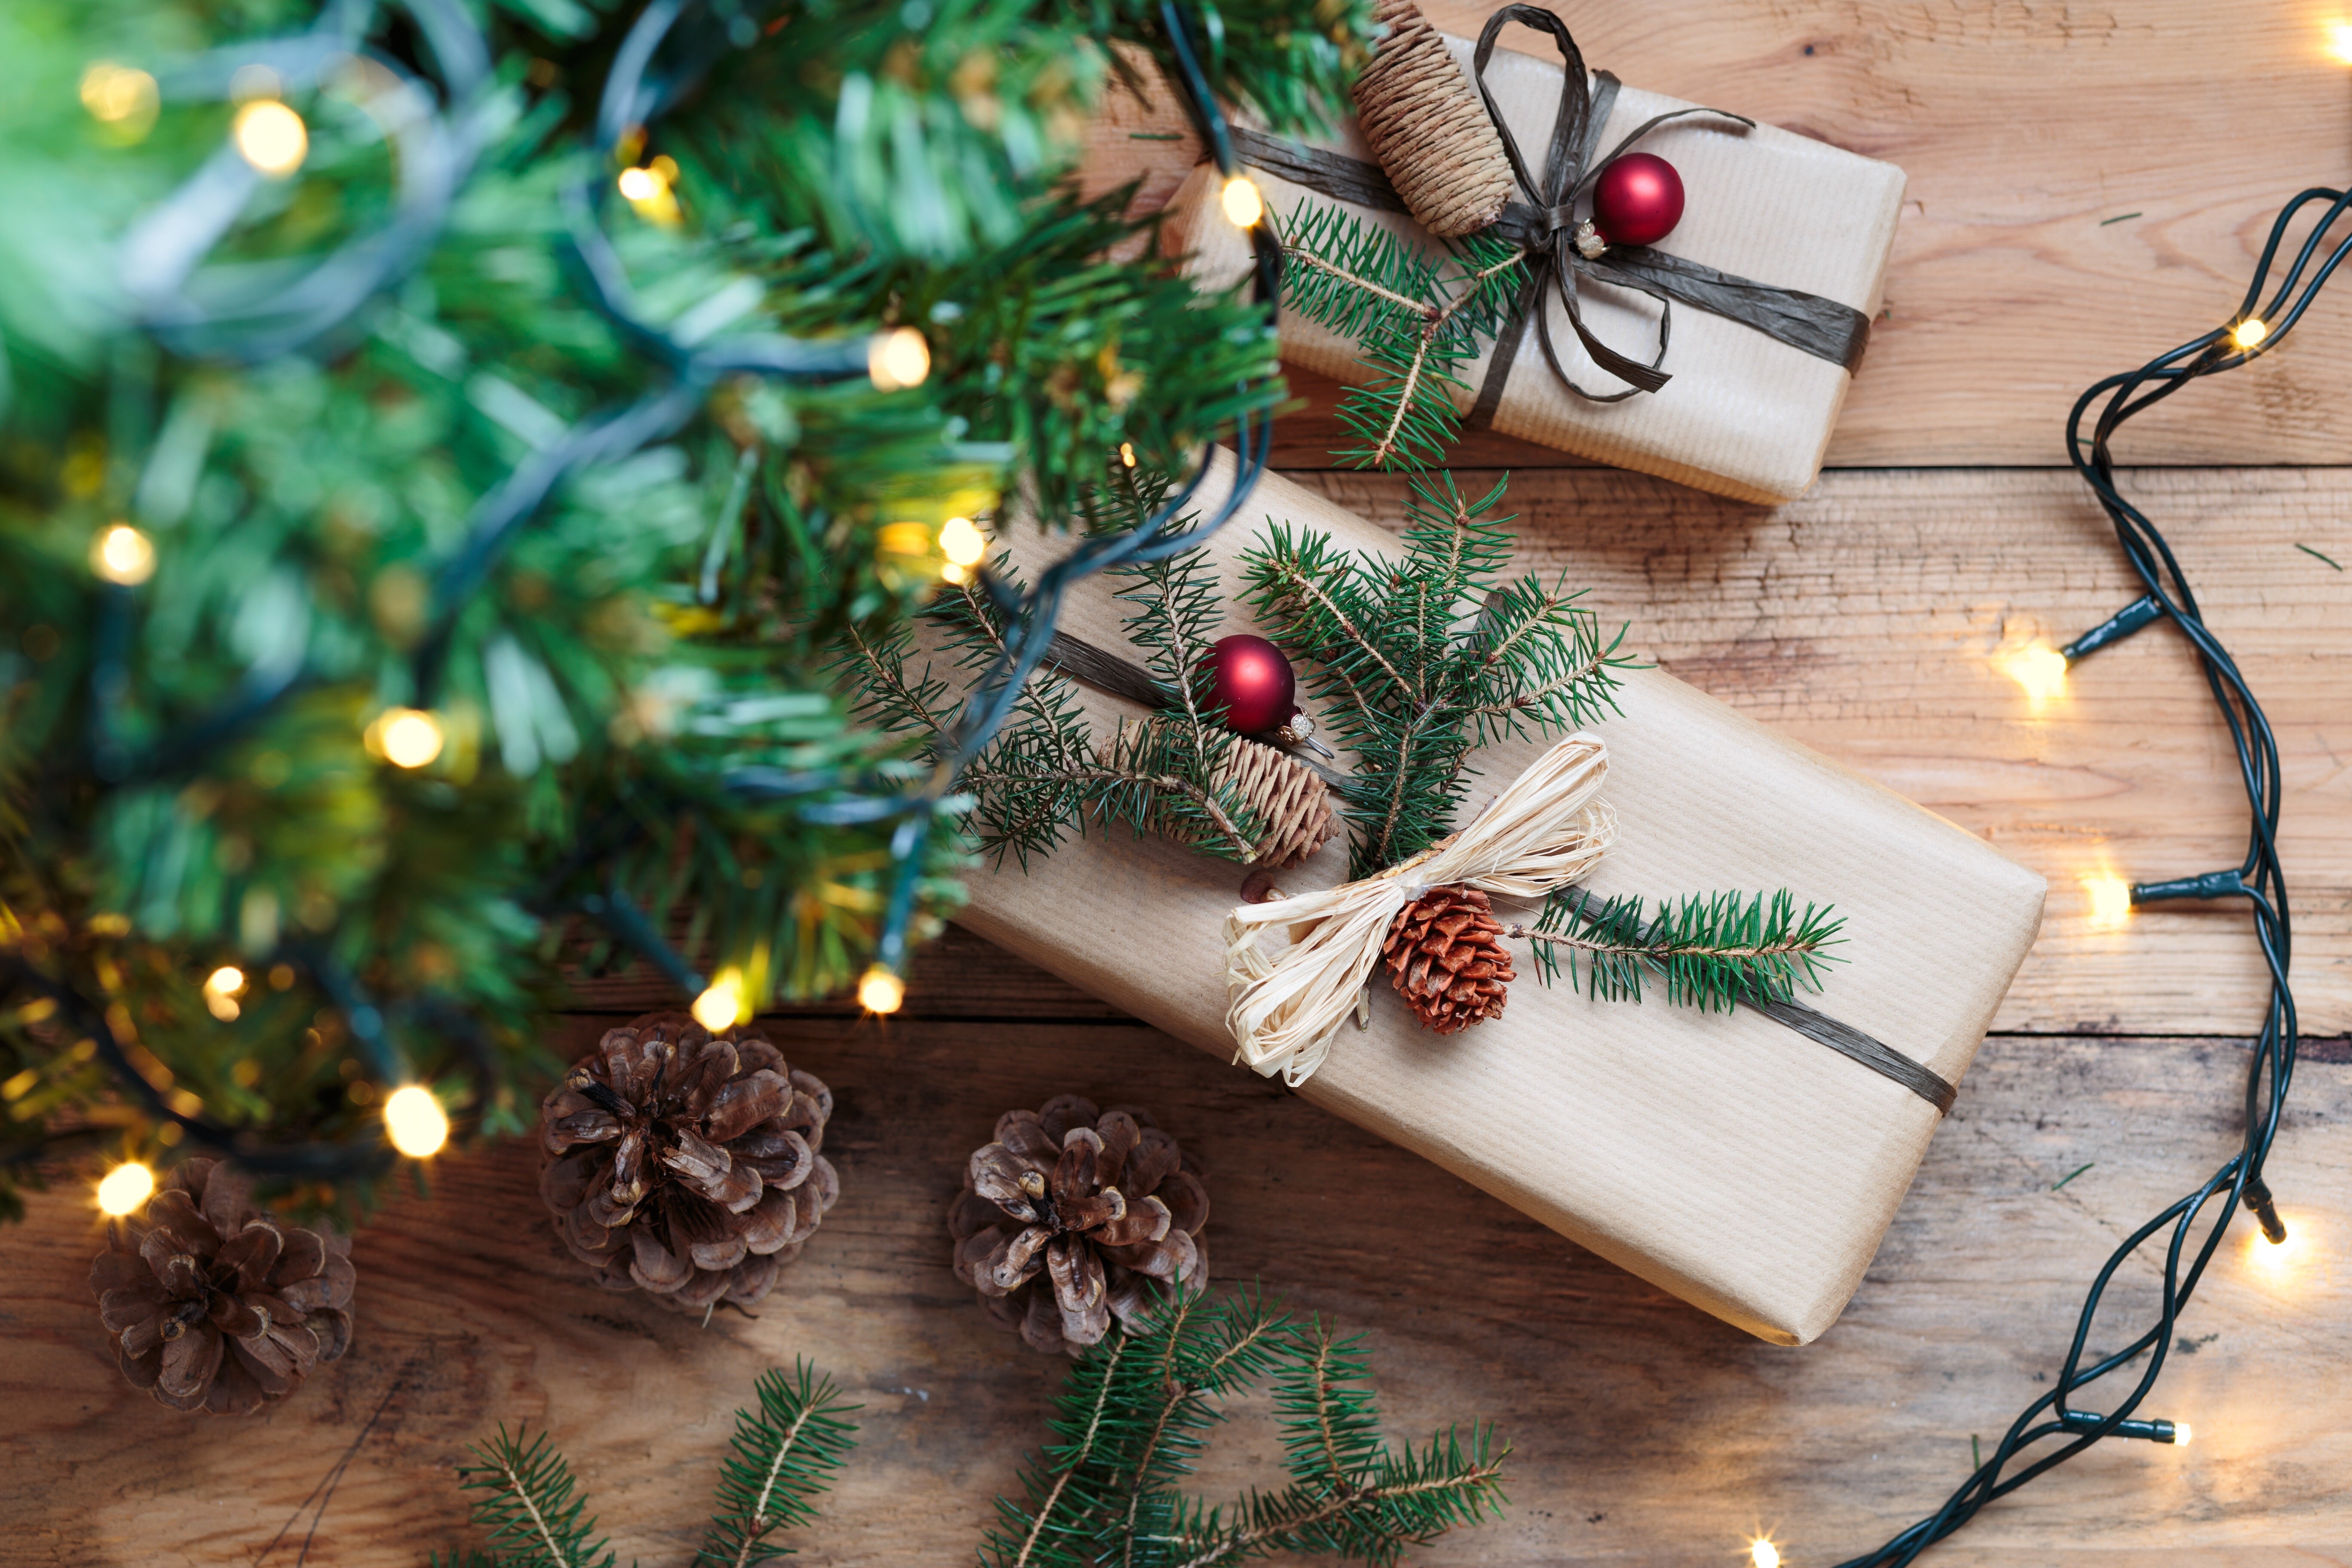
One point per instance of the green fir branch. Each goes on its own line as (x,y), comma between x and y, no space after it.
(527,1499)
(1416,662)
(1712,951)
(1418,319)
(786,1454)
(1136,1413)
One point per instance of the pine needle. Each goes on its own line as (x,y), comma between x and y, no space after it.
(785,1455)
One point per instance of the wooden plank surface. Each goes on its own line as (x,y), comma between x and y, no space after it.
(1645,1432)
(2089,185)
(1867,619)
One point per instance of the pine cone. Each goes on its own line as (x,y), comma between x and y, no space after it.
(685,1165)
(1067,1217)
(1428,130)
(1447,957)
(1288,798)
(216,1305)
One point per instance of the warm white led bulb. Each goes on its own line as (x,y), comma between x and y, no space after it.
(405,737)
(881,991)
(125,1188)
(2180,1434)
(2250,333)
(122,556)
(961,542)
(1242,204)
(898,359)
(415,1122)
(1763,1554)
(721,1006)
(271,137)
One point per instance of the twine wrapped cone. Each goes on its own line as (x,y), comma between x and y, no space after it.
(1428,129)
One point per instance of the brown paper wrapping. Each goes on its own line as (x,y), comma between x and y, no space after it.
(1744,416)
(1722,1157)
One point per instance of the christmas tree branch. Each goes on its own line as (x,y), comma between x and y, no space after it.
(1714,952)
(785,1455)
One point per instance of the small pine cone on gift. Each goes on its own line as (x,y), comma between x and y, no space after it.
(1287,798)
(686,1164)
(216,1305)
(1445,955)
(1069,1216)
(1428,129)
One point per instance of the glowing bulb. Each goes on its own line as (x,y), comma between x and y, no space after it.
(221,989)
(881,991)
(405,737)
(2110,899)
(125,1188)
(271,137)
(2180,1434)
(2249,333)
(2340,39)
(415,1122)
(1763,1554)
(962,542)
(120,95)
(2277,1261)
(721,1007)
(952,573)
(640,185)
(122,556)
(1242,204)
(1127,453)
(898,360)
(2039,669)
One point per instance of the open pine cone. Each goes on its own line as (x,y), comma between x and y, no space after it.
(216,1305)
(1067,1217)
(1447,957)
(686,1164)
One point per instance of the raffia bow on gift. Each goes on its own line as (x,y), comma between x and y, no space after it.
(1546,229)
(1546,830)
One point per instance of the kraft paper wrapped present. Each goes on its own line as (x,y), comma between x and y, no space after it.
(1727,1158)
(1744,416)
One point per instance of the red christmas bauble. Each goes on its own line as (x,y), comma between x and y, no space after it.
(1637,200)
(1251,680)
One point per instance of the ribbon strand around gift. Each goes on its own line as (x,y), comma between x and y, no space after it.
(1545,230)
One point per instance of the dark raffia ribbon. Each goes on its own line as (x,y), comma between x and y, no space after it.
(1120,677)
(1545,230)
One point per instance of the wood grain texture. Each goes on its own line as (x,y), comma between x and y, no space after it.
(2028,132)
(1868,618)
(1645,1432)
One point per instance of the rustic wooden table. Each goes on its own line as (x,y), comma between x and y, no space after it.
(2087,186)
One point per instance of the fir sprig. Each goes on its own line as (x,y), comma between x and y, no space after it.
(1713,952)
(1046,774)
(1419,660)
(784,1454)
(1417,319)
(1137,1412)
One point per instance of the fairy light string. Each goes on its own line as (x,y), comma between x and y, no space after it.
(2059,1417)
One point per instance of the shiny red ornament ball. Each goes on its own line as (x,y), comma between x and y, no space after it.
(1252,682)
(1637,200)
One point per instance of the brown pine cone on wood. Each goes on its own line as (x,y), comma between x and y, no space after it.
(684,1164)
(216,1305)
(1445,955)
(1070,1215)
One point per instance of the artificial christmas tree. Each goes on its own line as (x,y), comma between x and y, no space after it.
(440,445)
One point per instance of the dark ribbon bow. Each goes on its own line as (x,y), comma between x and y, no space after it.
(1545,228)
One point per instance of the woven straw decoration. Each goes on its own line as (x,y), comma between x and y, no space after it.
(1428,129)
(1288,799)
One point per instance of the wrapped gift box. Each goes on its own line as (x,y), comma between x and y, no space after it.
(1744,416)
(1724,1157)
